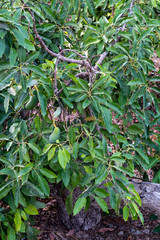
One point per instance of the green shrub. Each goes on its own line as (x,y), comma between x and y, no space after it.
(85,63)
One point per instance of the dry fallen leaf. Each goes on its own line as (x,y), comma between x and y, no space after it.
(106,230)
(70,233)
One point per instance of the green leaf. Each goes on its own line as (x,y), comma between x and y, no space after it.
(122,186)
(6,102)
(44,185)
(31,210)
(91,7)
(101,192)
(101,202)
(28,45)
(3,137)
(112,197)
(46,149)
(66,101)
(125,170)
(125,213)
(26,169)
(144,34)
(98,83)
(17,220)
(156,229)
(2,47)
(135,82)
(11,235)
(34,147)
(32,190)
(23,215)
(37,70)
(80,203)
(4,192)
(72,135)
(122,47)
(63,157)
(102,177)
(81,97)
(47,173)
(119,57)
(69,203)
(19,36)
(13,56)
(32,56)
(7,171)
(138,212)
(107,117)
(78,81)
(75,149)
(86,103)
(51,153)
(66,177)
(142,154)
(134,130)
(115,107)
(74,179)
(43,102)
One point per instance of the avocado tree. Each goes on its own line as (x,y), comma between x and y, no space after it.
(69,72)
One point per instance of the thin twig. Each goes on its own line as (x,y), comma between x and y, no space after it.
(131,7)
(61,57)
(100,60)
(71,50)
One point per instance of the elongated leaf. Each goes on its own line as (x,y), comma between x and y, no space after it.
(107,117)
(100,192)
(34,147)
(13,56)
(43,102)
(51,153)
(134,130)
(91,7)
(66,101)
(47,173)
(125,213)
(142,154)
(46,148)
(6,102)
(11,235)
(101,202)
(69,203)
(72,135)
(17,220)
(63,157)
(80,203)
(44,185)
(31,210)
(26,169)
(2,47)
(28,45)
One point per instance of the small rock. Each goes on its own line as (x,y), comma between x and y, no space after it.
(121,233)
(82,235)
(137,232)
(146,231)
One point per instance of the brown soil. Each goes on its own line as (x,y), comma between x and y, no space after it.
(111,227)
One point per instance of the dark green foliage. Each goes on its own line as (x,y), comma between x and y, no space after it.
(76,66)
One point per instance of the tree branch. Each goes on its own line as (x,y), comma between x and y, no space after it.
(61,57)
(100,60)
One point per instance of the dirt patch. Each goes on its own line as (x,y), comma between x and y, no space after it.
(111,227)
